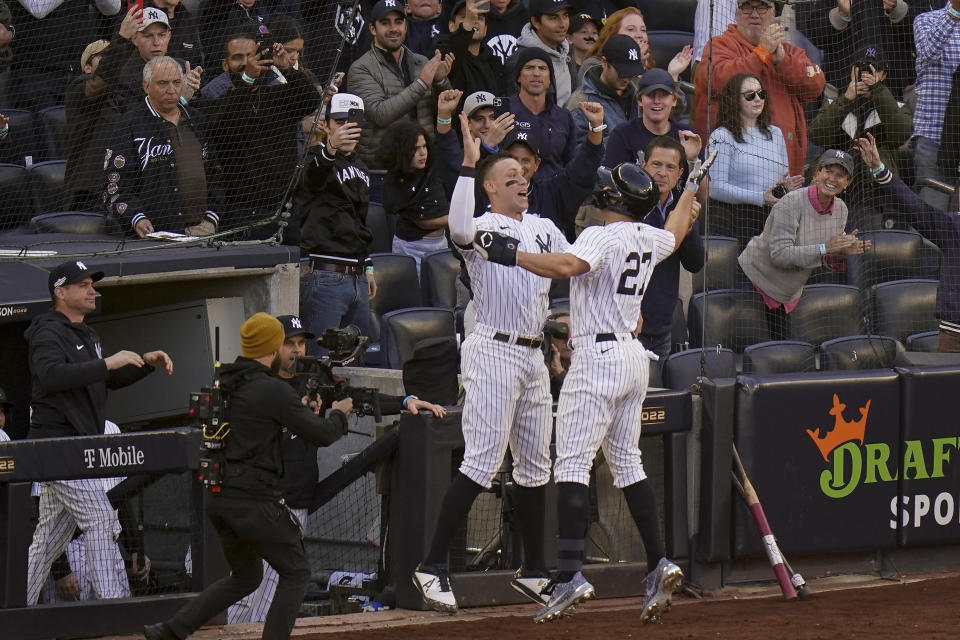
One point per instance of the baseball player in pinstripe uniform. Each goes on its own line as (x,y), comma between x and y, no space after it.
(70,379)
(603,392)
(508,402)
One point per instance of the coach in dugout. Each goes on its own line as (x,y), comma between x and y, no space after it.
(70,379)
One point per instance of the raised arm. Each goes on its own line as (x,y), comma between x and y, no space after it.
(460,220)
(552,265)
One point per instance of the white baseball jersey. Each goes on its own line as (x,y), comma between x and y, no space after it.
(621,256)
(507,298)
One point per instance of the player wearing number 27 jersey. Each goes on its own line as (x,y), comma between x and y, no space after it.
(603,393)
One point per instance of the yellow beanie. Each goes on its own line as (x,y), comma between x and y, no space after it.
(260,335)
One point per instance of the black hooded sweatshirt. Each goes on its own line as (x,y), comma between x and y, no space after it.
(70,377)
(261,405)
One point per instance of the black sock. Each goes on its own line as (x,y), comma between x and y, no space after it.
(530,508)
(573,505)
(643,507)
(456,505)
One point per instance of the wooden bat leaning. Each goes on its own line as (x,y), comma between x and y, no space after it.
(760,520)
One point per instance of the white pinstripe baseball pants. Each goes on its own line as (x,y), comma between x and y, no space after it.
(507,403)
(65,505)
(254,607)
(599,406)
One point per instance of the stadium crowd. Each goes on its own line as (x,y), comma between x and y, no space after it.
(218,115)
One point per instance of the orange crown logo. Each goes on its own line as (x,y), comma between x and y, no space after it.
(842,432)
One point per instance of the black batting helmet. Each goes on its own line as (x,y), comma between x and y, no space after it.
(626,189)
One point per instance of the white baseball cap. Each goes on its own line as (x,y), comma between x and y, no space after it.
(476,100)
(151,15)
(341,103)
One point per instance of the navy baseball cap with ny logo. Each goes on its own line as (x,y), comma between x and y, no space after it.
(541,7)
(70,273)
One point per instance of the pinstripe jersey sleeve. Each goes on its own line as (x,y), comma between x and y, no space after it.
(591,246)
(663,242)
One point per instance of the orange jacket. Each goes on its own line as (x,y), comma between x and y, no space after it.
(790,83)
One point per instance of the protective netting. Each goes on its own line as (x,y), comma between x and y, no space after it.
(840,277)
(86,133)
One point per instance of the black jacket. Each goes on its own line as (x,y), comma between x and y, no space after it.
(482,72)
(333,196)
(261,406)
(254,131)
(140,173)
(70,377)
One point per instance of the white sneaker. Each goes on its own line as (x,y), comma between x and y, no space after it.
(662,583)
(433,583)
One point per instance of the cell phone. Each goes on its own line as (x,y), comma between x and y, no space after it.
(356,116)
(135,3)
(501,105)
(265,47)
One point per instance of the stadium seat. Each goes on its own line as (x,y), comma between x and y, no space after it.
(677,15)
(559,304)
(896,255)
(21,141)
(404,328)
(16,195)
(560,288)
(666,44)
(928,341)
(720,269)
(904,307)
(855,353)
(53,132)
(681,370)
(780,356)
(379,223)
(728,317)
(397,287)
(69,222)
(49,191)
(439,272)
(825,311)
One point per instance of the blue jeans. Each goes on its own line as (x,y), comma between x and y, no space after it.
(925,164)
(329,299)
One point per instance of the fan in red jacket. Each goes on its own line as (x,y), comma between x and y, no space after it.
(756,44)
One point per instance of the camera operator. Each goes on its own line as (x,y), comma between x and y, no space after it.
(247,508)
(557,332)
(300,459)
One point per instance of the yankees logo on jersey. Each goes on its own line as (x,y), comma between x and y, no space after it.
(622,257)
(513,300)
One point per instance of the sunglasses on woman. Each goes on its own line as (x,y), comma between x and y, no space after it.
(750,96)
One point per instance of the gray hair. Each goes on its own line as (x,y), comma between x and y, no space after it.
(153,63)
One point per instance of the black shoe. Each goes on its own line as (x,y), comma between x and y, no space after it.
(158,631)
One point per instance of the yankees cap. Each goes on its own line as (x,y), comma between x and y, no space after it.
(654,79)
(341,103)
(151,15)
(540,7)
(624,54)
(835,156)
(578,20)
(477,100)
(292,326)
(527,137)
(383,8)
(70,273)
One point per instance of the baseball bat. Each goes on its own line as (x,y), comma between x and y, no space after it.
(760,520)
